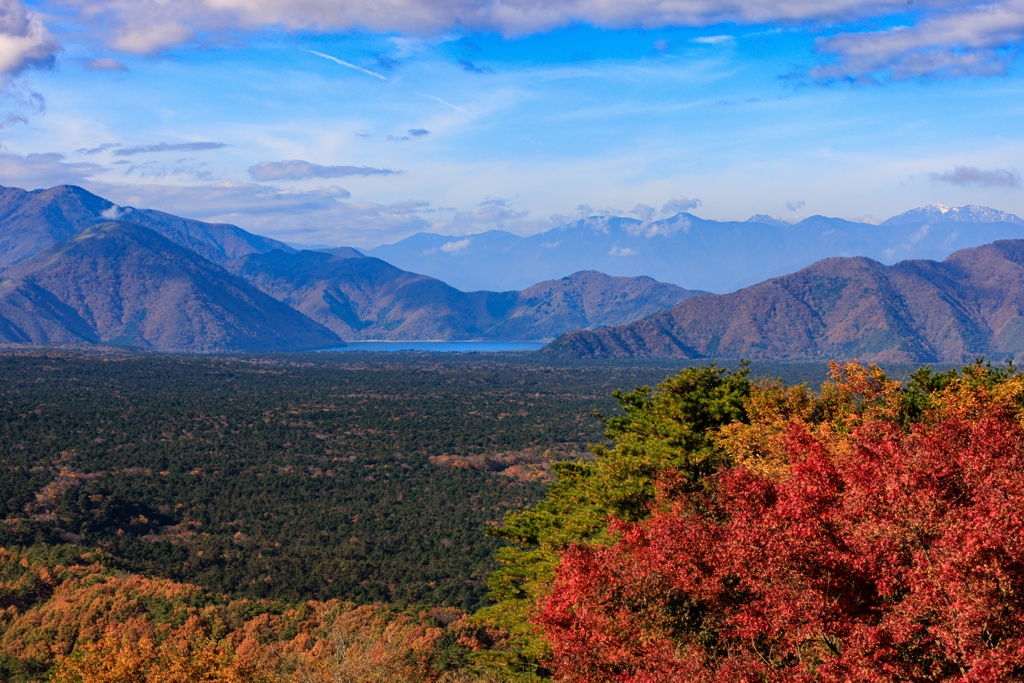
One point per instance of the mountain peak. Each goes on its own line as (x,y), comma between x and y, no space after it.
(765,219)
(939,213)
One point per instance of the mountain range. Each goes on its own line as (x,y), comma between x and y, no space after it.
(126,285)
(968,305)
(366,298)
(693,252)
(76,269)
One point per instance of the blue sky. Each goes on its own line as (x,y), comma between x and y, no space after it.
(317,121)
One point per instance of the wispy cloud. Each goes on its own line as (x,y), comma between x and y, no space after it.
(969,175)
(43,170)
(454,247)
(348,64)
(449,104)
(714,40)
(297,169)
(680,204)
(105,64)
(97,149)
(168,147)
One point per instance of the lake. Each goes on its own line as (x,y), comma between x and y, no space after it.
(440,346)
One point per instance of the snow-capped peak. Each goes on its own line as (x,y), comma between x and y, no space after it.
(969,213)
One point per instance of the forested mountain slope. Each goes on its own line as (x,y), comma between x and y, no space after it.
(366,298)
(123,284)
(971,304)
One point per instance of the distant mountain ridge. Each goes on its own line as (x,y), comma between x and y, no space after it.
(969,305)
(937,213)
(693,252)
(366,298)
(31,221)
(123,284)
(81,270)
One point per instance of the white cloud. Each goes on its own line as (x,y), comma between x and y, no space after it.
(146,38)
(947,37)
(680,204)
(24,40)
(148,25)
(622,251)
(715,40)
(454,247)
(36,171)
(644,212)
(959,41)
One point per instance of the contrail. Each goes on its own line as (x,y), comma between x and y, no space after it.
(449,104)
(344,63)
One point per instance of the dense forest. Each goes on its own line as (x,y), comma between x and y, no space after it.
(295,477)
(473,518)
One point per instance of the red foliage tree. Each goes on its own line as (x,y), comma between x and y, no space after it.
(892,556)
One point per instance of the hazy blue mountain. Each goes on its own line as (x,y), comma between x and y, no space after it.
(126,285)
(937,213)
(343,252)
(690,251)
(366,298)
(768,220)
(969,305)
(33,221)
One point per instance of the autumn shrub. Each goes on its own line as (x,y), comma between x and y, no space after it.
(850,543)
(672,426)
(67,619)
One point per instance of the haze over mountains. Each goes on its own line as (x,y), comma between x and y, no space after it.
(76,269)
(690,251)
(969,305)
(80,270)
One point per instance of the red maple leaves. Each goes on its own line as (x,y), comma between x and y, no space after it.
(885,556)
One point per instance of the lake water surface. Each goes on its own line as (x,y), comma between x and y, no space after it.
(440,346)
